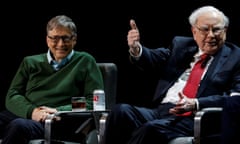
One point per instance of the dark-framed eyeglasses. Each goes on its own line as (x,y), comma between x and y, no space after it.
(206,30)
(65,39)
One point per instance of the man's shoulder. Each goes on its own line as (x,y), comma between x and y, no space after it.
(35,57)
(232,46)
(82,54)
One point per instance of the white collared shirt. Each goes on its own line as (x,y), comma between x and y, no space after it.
(57,65)
(172,94)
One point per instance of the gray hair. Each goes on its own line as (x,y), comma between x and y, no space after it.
(206,9)
(63,21)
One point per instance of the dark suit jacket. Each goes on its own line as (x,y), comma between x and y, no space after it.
(222,77)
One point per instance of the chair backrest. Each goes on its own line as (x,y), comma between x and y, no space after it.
(109,72)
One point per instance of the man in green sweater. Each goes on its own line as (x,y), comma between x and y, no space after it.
(45,83)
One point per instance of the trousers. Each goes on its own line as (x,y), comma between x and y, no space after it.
(16,130)
(231,120)
(127,124)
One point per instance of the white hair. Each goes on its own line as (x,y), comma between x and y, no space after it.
(206,9)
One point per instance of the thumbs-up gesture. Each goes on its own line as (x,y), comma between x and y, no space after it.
(133,38)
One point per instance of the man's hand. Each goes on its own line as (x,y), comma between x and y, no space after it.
(40,114)
(133,38)
(185,104)
(48,109)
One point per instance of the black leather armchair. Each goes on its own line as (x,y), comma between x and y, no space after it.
(207,128)
(84,123)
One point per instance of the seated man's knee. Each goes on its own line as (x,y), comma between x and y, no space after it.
(18,124)
(121,108)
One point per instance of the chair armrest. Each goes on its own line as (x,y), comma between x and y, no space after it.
(68,126)
(47,129)
(207,125)
(76,124)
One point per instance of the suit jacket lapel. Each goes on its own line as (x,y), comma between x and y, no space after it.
(216,65)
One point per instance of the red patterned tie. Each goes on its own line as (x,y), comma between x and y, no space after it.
(191,87)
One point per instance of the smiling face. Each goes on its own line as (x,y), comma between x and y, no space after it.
(60,41)
(209,32)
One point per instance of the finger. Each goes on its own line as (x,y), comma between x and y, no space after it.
(181,99)
(44,116)
(172,110)
(181,96)
(133,24)
(43,108)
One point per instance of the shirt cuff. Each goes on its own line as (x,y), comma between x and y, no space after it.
(140,52)
(196,104)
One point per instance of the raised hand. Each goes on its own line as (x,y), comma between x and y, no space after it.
(133,38)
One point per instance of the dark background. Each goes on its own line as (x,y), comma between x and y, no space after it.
(102,31)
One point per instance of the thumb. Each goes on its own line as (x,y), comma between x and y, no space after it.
(181,96)
(133,24)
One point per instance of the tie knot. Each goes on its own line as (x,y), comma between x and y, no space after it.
(204,56)
(204,59)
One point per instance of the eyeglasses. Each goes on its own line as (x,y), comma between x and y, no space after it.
(206,30)
(65,39)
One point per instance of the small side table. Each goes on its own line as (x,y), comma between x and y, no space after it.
(85,116)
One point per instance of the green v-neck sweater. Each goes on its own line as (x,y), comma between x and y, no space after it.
(36,84)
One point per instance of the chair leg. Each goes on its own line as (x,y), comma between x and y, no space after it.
(92,137)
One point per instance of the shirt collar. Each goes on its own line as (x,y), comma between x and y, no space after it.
(198,54)
(50,59)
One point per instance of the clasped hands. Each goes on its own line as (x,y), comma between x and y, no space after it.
(185,104)
(41,113)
